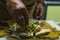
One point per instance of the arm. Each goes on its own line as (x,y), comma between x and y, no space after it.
(40,7)
(42,10)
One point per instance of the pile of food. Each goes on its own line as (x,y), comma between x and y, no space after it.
(36,29)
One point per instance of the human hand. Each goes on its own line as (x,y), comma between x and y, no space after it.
(38,17)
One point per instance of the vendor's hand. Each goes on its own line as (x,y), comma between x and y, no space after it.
(41,14)
(37,17)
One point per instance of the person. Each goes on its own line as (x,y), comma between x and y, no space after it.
(35,8)
(14,10)
(18,12)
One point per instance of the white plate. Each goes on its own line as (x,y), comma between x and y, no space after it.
(53,24)
(3,38)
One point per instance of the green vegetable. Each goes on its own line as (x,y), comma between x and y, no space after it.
(32,26)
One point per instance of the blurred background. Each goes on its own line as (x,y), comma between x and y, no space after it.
(52,10)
